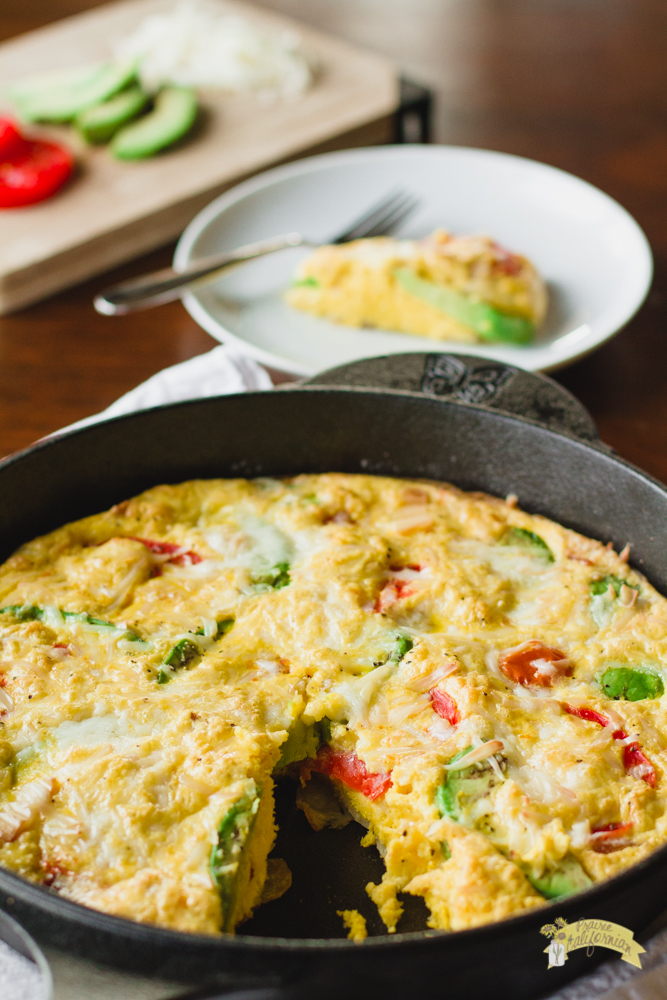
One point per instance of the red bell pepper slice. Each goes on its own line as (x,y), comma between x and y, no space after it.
(611,830)
(586,713)
(349,769)
(591,716)
(30,169)
(445,706)
(506,262)
(188,558)
(607,839)
(395,589)
(638,765)
(392,591)
(523,665)
(11,140)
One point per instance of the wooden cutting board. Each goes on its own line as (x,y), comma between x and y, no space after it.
(113,211)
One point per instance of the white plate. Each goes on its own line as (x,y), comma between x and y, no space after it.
(592,253)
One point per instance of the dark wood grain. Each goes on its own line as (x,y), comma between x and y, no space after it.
(580,85)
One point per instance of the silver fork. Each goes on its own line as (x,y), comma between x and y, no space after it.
(169,284)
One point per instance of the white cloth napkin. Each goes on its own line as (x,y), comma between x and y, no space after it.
(219,372)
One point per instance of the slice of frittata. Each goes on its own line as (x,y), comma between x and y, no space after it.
(463,288)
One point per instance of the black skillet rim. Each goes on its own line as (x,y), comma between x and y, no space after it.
(54,906)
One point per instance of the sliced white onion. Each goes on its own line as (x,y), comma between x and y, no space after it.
(440,729)
(192,783)
(408,574)
(541,787)
(495,767)
(210,627)
(198,46)
(612,714)
(580,833)
(419,521)
(491,664)
(628,596)
(32,667)
(62,826)
(21,813)
(203,569)
(201,641)
(53,616)
(376,760)
(480,753)
(414,496)
(127,583)
(405,707)
(544,668)
(58,653)
(624,619)
(134,646)
(437,830)
(357,693)
(430,680)
(269,666)
(602,739)
(522,645)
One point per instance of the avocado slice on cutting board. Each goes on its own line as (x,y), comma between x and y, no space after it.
(100,123)
(173,115)
(60,97)
(489,323)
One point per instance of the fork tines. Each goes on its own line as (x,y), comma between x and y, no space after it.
(382,218)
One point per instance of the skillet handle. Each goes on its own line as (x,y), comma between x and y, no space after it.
(470,381)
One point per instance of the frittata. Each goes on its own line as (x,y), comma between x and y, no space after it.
(481,688)
(465,288)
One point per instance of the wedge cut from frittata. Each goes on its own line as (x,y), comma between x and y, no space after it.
(464,288)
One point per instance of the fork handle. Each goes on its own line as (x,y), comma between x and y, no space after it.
(168,284)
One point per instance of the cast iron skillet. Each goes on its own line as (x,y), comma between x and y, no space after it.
(478,424)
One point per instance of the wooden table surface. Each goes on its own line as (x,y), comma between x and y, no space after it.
(579,85)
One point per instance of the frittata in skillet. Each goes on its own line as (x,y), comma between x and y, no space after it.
(465,288)
(480,687)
